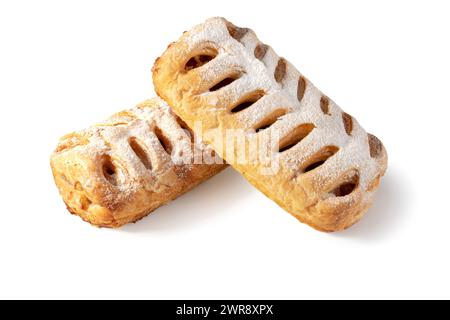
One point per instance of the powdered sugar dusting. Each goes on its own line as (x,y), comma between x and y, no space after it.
(112,138)
(259,75)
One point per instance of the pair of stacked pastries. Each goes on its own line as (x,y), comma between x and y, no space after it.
(223,77)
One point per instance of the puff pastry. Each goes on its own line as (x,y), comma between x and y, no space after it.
(224,77)
(120,170)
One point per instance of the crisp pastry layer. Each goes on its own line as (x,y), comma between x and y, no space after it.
(222,76)
(120,170)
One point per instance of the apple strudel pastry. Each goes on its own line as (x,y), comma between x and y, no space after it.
(120,170)
(222,76)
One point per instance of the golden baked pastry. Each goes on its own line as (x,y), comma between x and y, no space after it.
(224,77)
(120,170)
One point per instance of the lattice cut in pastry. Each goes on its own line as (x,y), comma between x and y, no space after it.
(120,170)
(223,76)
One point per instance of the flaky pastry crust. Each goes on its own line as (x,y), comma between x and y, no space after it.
(223,76)
(121,170)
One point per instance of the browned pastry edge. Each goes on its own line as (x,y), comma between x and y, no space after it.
(106,220)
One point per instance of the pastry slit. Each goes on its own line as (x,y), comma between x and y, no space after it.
(225,82)
(164,140)
(109,170)
(347,186)
(247,102)
(320,158)
(140,153)
(268,121)
(295,137)
(205,56)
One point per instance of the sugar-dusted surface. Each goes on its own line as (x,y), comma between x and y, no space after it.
(258,71)
(259,74)
(120,170)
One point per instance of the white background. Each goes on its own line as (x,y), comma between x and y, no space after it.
(67,64)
